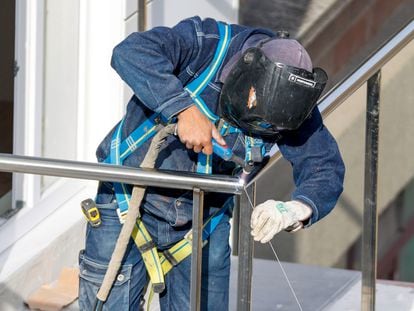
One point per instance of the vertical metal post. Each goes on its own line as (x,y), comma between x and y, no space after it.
(197,247)
(235,226)
(370,232)
(244,278)
(142,15)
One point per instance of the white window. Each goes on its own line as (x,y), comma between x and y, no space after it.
(66,98)
(60,105)
(168,13)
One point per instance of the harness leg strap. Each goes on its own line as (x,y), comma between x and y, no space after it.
(149,254)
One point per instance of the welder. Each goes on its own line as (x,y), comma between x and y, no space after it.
(234,87)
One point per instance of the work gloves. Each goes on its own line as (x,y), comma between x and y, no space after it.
(271,217)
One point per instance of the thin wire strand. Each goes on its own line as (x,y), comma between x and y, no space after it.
(286,277)
(279,262)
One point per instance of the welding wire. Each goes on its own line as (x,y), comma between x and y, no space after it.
(279,262)
(286,277)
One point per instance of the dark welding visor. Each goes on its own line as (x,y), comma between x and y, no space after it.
(262,97)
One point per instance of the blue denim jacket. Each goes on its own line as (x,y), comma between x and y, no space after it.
(156,64)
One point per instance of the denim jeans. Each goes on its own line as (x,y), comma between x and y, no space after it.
(128,289)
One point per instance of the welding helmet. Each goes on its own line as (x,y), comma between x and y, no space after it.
(271,87)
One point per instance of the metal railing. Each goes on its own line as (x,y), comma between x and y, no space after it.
(146,177)
(122,174)
(369,71)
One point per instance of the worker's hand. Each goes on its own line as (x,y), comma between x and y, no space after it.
(196,131)
(271,217)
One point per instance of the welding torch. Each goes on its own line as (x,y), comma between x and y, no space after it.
(227,154)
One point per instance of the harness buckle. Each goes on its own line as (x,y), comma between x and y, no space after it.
(158,287)
(147,246)
(189,235)
(121,215)
(170,257)
(91,212)
(257,153)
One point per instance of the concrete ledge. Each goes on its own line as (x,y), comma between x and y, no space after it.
(317,288)
(38,257)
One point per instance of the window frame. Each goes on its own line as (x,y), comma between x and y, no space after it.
(32,205)
(99,96)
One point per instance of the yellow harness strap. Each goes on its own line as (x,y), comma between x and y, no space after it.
(159,264)
(150,256)
(174,255)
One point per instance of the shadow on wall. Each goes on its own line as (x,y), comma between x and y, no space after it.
(10,300)
(351,210)
(224,7)
(170,13)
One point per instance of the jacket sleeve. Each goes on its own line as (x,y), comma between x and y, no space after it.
(318,168)
(147,61)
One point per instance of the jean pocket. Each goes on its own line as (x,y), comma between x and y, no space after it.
(90,279)
(176,211)
(180,211)
(108,212)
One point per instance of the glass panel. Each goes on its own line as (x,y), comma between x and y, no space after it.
(406,254)
(342,227)
(59,132)
(396,166)
(335,241)
(395,169)
(396,124)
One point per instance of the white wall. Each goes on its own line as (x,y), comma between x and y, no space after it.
(169,13)
(102,27)
(60,82)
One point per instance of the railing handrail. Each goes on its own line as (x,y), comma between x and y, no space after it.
(107,172)
(354,81)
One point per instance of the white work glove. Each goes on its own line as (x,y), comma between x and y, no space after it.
(271,217)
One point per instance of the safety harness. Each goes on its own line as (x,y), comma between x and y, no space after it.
(160,263)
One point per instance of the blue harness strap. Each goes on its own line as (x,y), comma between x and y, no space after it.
(120,150)
(197,86)
(215,219)
(139,136)
(122,191)
(148,128)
